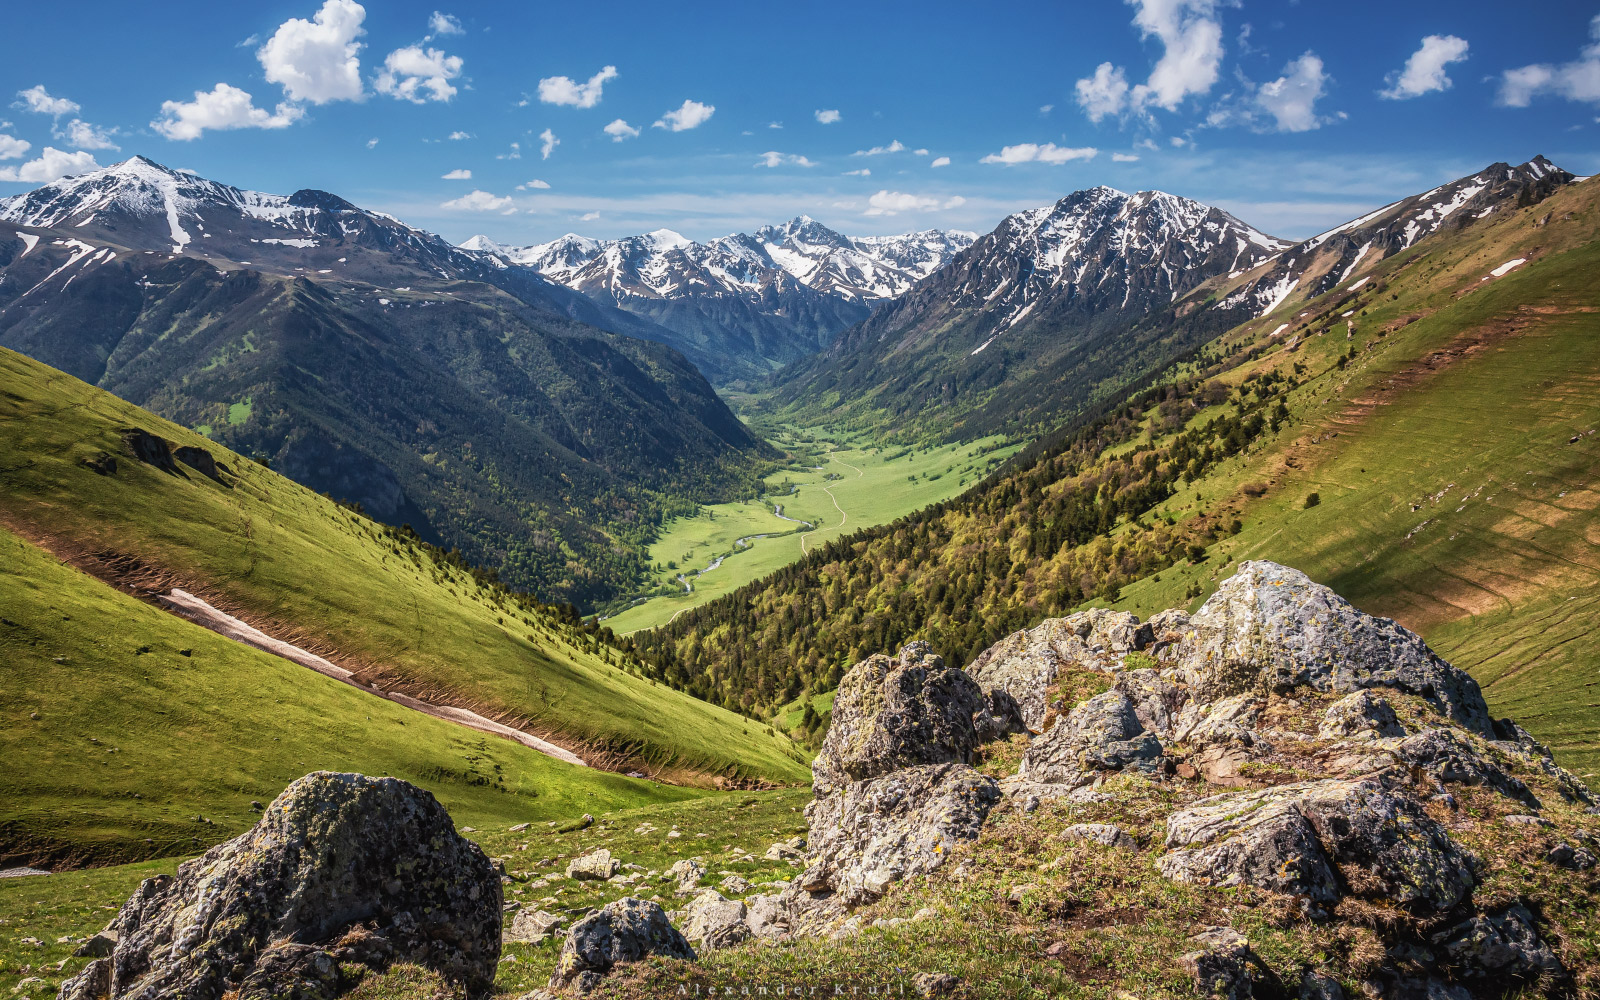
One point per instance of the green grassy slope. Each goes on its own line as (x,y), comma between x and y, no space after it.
(123,725)
(311,572)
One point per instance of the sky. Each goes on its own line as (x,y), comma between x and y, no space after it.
(525,121)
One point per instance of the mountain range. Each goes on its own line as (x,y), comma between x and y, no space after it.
(493,410)
(743,304)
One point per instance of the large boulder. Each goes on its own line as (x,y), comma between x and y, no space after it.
(1101,735)
(714,921)
(1292,839)
(894,713)
(627,930)
(1269,627)
(1025,664)
(341,868)
(875,833)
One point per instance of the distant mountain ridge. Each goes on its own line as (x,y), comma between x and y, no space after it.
(744,303)
(496,411)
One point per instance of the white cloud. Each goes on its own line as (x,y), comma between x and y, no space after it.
(691,115)
(565,90)
(457,175)
(943,161)
(222,107)
(479,201)
(620,130)
(773,125)
(588,216)
(458,136)
(534,185)
(1191,37)
(514,153)
(81,135)
(1045,109)
(1576,81)
(1030,152)
(1291,99)
(827,117)
(445,24)
(52,164)
(547,142)
(1424,70)
(1105,93)
(418,75)
(772,158)
(317,60)
(1124,158)
(863,172)
(39,101)
(895,202)
(372,143)
(893,147)
(12,148)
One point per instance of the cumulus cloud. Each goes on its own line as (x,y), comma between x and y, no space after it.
(317,60)
(895,202)
(1191,39)
(1030,152)
(12,148)
(567,91)
(1124,158)
(39,101)
(692,114)
(941,161)
(1424,71)
(620,130)
(480,201)
(418,75)
(547,142)
(52,164)
(457,175)
(81,135)
(827,117)
(222,107)
(772,158)
(893,147)
(445,24)
(1291,99)
(533,185)
(1576,81)
(863,172)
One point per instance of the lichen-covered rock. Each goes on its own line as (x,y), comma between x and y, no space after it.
(1220,965)
(627,930)
(1025,664)
(1450,757)
(714,921)
(1514,740)
(877,832)
(1363,715)
(340,868)
(594,866)
(1501,945)
(767,916)
(1229,720)
(1269,627)
(686,874)
(1157,702)
(531,927)
(1102,734)
(1104,834)
(891,714)
(1291,839)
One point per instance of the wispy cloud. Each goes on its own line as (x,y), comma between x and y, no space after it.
(480,201)
(772,158)
(1049,152)
(1576,81)
(895,202)
(457,175)
(894,147)
(547,143)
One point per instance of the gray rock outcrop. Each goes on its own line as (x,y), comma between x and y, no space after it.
(1101,735)
(627,930)
(341,868)
(1025,664)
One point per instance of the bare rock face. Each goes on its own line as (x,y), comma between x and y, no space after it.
(1025,664)
(895,713)
(627,930)
(1499,946)
(340,868)
(1451,757)
(875,833)
(594,866)
(1270,628)
(1220,964)
(1101,735)
(1363,715)
(713,921)
(1291,838)
(531,927)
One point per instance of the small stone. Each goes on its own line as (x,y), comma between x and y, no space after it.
(531,927)
(1571,858)
(1104,834)
(596,866)
(518,828)
(736,885)
(1019,893)
(935,984)
(1522,819)
(627,930)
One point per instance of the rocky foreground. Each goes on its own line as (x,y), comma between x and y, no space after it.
(1278,751)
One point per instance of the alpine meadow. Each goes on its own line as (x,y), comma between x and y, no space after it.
(1079,501)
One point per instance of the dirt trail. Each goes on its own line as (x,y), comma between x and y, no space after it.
(194,609)
(843,516)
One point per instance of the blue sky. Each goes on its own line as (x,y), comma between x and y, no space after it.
(894,116)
